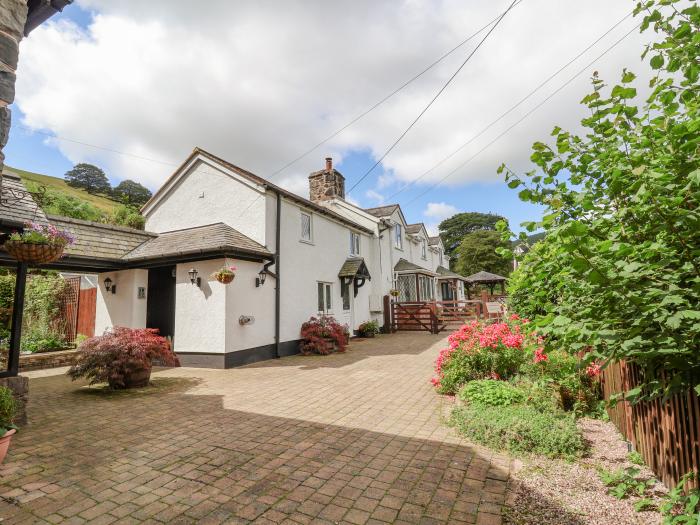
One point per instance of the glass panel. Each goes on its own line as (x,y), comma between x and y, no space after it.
(320,297)
(328,298)
(306,227)
(406,285)
(345,291)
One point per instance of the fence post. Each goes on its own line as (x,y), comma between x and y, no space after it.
(484,300)
(387,315)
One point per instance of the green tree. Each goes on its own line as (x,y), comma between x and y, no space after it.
(91,178)
(127,216)
(453,230)
(479,251)
(131,193)
(618,271)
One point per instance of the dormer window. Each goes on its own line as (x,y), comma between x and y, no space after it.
(398,237)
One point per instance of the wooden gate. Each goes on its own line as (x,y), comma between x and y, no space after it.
(433,316)
(86,312)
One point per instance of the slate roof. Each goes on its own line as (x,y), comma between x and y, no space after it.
(17,212)
(444,272)
(412,229)
(485,277)
(434,241)
(354,266)
(382,211)
(100,241)
(404,266)
(200,239)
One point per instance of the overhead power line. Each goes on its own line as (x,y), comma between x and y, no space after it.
(509,110)
(440,91)
(550,96)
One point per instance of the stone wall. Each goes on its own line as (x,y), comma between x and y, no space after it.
(44,360)
(20,386)
(13,14)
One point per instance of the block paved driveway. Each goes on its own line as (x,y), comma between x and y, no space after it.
(347,438)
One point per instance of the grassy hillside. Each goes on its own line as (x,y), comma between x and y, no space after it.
(103,204)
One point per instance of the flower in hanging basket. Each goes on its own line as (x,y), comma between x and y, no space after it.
(225,274)
(38,243)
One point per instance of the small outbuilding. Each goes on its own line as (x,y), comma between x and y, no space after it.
(486,279)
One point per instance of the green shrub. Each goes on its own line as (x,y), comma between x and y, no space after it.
(127,216)
(520,429)
(681,506)
(8,409)
(58,203)
(491,392)
(540,395)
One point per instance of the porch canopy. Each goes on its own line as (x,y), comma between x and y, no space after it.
(103,247)
(487,279)
(354,270)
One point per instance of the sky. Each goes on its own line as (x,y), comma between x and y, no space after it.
(134,86)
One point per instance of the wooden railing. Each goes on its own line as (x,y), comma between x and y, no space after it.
(666,434)
(433,316)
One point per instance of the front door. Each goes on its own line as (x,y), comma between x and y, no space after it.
(160,307)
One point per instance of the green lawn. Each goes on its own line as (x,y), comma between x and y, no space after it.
(102,203)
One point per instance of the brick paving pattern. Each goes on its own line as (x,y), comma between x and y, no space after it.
(351,438)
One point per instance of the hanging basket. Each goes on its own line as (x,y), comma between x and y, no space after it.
(34,253)
(225,278)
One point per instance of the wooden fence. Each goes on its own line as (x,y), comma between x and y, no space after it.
(666,434)
(78,310)
(433,316)
(86,312)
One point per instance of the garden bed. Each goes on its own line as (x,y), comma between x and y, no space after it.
(551,491)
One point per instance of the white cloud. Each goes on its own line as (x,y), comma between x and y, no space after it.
(439,210)
(258,83)
(375,196)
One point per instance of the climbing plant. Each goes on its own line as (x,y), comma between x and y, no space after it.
(618,271)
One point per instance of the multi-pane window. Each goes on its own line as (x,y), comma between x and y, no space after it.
(324,297)
(354,243)
(398,238)
(305,227)
(426,287)
(423,249)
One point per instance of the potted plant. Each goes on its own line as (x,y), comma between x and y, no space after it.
(122,357)
(38,243)
(8,410)
(323,335)
(368,329)
(225,275)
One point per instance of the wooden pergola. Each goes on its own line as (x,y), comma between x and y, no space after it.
(486,279)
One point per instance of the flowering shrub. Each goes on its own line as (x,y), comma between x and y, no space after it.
(481,351)
(491,392)
(120,352)
(35,233)
(322,335)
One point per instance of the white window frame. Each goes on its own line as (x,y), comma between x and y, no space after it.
(301,227)
(354,243)
(324,297)
(423,249)
(398,236)
(440,256)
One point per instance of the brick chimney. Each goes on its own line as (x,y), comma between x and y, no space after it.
(326,184)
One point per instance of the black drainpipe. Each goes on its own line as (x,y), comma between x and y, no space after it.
(278,271)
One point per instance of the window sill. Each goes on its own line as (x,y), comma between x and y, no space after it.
(304,241)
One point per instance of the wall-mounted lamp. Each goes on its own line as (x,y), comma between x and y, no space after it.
(260,279)
(109,287)
(193,277)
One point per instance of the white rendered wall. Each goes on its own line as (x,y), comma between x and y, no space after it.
(122,308)
(206,195)
(305,264)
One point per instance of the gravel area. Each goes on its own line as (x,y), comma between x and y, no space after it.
(545,491)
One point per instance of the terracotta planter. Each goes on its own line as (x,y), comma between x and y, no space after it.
(137,379)
(5,443)
(34,253)
(225,278)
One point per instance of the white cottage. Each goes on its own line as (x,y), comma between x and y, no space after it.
(294,257)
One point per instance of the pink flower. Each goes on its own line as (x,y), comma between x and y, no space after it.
(540,356)
(593,370)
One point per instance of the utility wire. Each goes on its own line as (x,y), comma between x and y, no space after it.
(583,70)
(508,111)
(387,97)
(440,91)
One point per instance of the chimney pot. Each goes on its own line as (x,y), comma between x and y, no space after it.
(329,163)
